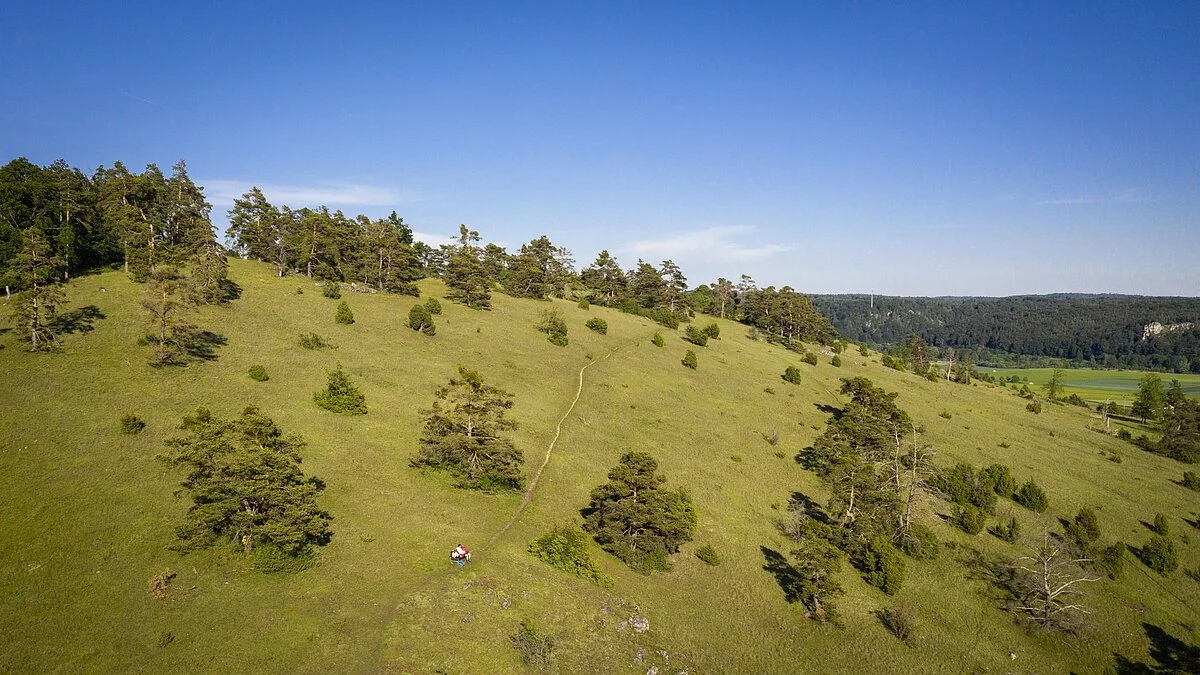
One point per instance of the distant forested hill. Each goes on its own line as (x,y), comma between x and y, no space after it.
(1105,330)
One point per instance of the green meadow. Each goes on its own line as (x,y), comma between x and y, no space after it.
(89,513)
(1119,386)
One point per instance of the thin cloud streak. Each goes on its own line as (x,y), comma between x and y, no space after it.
(715,244)
(1130,196)
(224,192)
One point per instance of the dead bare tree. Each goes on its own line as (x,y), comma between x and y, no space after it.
(1048,586)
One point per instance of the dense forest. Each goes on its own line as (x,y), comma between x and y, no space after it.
(1074,329)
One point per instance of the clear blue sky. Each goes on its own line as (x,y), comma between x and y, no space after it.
(904,148)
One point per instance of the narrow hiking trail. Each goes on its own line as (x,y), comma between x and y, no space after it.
(545,460)
(386,619)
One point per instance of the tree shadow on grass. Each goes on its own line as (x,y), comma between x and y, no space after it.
(802,503)
(1171,654)
(230,290)
(785,575)
(202,344)
(829,410)
(1000,577)
(1194,523)
(80,320)
(809,459)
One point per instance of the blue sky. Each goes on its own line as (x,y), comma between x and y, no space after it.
(907,148)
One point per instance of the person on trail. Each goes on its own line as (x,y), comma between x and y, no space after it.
(459,555)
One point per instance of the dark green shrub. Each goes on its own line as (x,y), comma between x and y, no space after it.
(657,561)
(962,484)
(836,361)
(420,319)
(1124,435)
(584,304)
(695,336)
(1010,531)
(271,559)
(258,373)
(332,290)
(343,313)
(709,555)
(314,341)
(340,395)
(132,424)
(433,305)
(658,340)
(1111,560)
(810,359)
(882,565)
(1034,407)
(945,414)
(792,374)
(862,350)
(889,361)
(1161,525)
(968,518)
(1000,478)
(713,331)
(689,359)
(597,324)
(1032,496)
(554,326)
(901,620)
(534,647)
(566,548)
(920,542)
(1160,555)
(1190,480)
(1087,525)
(838,346)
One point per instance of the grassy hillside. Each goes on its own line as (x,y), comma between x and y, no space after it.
(89,513)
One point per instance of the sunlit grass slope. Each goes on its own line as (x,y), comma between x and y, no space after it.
(88,513)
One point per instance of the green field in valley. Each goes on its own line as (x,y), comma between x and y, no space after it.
(90,513)
(1098,385)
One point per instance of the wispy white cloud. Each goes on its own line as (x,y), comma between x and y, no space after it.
(433,240)
(1127,196)
(222,192)
(715,244)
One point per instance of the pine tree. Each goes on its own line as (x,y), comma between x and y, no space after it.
(674,290)
(462,435)
(246,485)
(38,273)
(209,280)
(340,395)
(633,518)
(540,270)
(724,299)
(605,280)
(168,300)
(465,274)
(343,313)
(261,231)
(1150,398)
